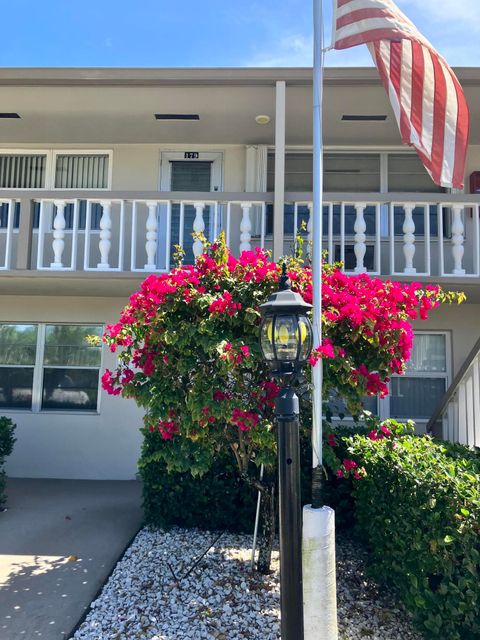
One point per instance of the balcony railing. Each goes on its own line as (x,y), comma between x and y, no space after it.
(415,235)
(457,417)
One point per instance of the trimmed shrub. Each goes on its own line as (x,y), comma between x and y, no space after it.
(217,500)
(7,441)
(417,508)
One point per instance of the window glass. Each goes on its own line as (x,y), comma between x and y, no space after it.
(81,171)
(72,345)
(68,389)
(18,344)
(429,353)
(343,172)
(66,379)
(16,384)
(415,397)
(22,171)
(417,393)
(407,173)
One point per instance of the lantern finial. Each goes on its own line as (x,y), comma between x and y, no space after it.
(284,283)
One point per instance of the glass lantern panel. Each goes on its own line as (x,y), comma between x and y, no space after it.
(305,335)
(286,338)
(266,339)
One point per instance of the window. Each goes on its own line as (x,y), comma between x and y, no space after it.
(51,169)
(23,171)
(81,171)
(417,393)
(51,367)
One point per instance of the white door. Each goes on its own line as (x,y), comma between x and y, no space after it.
(191,172)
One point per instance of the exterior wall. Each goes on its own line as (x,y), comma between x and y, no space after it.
(136,167)
(103,446)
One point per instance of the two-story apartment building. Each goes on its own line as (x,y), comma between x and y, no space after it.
(103,172)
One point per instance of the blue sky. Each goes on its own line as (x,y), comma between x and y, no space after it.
(190,33)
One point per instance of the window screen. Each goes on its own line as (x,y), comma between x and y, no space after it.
(191,176)
(20,171)
(71,359)
(81,171)
(18,347)
(417,393)
(407,173)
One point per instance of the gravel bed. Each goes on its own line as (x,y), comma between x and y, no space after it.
(155,594)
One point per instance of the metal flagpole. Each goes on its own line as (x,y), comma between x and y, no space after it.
(318,543)
(317,233)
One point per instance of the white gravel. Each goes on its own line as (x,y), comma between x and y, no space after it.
(150,597)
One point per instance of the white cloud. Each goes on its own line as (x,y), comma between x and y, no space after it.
(294,50)
(450,26)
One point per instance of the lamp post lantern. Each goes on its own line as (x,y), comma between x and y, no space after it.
(286,338)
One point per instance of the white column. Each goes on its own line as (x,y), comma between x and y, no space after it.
(279,195)
(360,247)
(152,236)
(310,230)
(58,243)
(105,234)
(457,240)
(409,239)
(245,227)
(198,227)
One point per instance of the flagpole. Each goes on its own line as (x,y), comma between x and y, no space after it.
(318,538)
(317,233)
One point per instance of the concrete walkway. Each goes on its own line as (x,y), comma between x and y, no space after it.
(59,540)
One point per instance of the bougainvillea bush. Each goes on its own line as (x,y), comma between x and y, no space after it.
(188,354)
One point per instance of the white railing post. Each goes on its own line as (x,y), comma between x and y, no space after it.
(58,243)
(360,247)
(151,236)
(409,239)
(245,227)
(105,234)
(309,230)
(457,240)
(198,227)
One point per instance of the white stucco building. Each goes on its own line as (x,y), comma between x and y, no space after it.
(102,171)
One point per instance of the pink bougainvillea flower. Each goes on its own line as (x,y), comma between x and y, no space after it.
(349,464)
(339,473)
(331,440)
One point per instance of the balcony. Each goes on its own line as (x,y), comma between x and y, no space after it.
(407,236)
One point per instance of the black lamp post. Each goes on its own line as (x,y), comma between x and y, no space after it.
(286,343)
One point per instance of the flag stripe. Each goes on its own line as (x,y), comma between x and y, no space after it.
(426,97)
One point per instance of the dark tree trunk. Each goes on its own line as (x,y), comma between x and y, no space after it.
(268,529)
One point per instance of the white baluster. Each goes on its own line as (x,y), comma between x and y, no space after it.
(152,236)
(360,247)
(105,234)
(457,240)
(58,243)
(409,239)
(198,227)
(310,230)
(245,228)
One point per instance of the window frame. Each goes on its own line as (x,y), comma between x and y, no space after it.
(38,367)
(51,163)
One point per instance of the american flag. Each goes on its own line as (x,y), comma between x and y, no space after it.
(426,96)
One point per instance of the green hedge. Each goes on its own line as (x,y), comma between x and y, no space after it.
(218,500)
(7,441)
(418,510)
